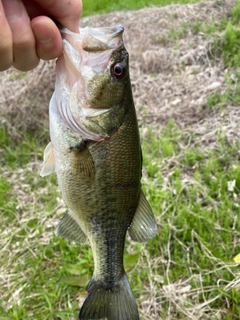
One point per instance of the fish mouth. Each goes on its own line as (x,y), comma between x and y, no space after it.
(102,38)
(91,47)
(97,39)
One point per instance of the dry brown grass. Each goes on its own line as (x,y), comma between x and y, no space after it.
(170,79)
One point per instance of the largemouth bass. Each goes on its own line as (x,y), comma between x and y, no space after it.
(95,151)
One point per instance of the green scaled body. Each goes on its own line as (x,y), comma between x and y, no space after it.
(95,151)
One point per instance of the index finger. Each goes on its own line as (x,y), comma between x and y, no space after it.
(67,12)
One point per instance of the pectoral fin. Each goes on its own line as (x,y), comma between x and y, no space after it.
(48,161)
(69,229)
(143,226)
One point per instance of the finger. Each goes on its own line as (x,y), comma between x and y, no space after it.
(48,38)
(24,53)
(6,53)
(66,12)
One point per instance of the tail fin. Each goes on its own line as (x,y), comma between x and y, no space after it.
(117,303)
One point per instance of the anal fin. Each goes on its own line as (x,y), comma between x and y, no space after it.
(143,226)
(69,229)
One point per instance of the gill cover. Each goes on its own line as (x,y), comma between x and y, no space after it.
(81,72)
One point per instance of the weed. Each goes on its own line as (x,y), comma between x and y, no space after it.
(231,45)
(217,98)
(227,46)
(236,13)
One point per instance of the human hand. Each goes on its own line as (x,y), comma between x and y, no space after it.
(27,34)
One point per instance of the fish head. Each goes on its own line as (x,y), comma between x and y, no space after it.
(92,81)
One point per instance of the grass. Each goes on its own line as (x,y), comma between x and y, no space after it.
(199,231)
(226,46)
(225,38)
(194,193)
(103,6)
(186,272)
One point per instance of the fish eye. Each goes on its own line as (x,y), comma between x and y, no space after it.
(118,70)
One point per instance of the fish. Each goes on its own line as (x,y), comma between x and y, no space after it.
(96,154)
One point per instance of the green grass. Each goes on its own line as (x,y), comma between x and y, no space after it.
(17,154)
(194,193)
(229,42)
(103,6)
(226,47)
(198,221)
(225,38)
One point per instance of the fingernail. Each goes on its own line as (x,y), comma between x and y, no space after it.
(13,9)
(41,38)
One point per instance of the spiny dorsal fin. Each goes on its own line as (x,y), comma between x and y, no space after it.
(48,161)
(143,226)
(69,229)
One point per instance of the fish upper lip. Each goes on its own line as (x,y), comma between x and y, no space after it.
(106,32)
(101,32)
(97,39)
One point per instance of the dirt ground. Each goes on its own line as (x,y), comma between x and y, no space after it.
(171,79)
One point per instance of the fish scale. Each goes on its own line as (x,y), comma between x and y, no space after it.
(95,151)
